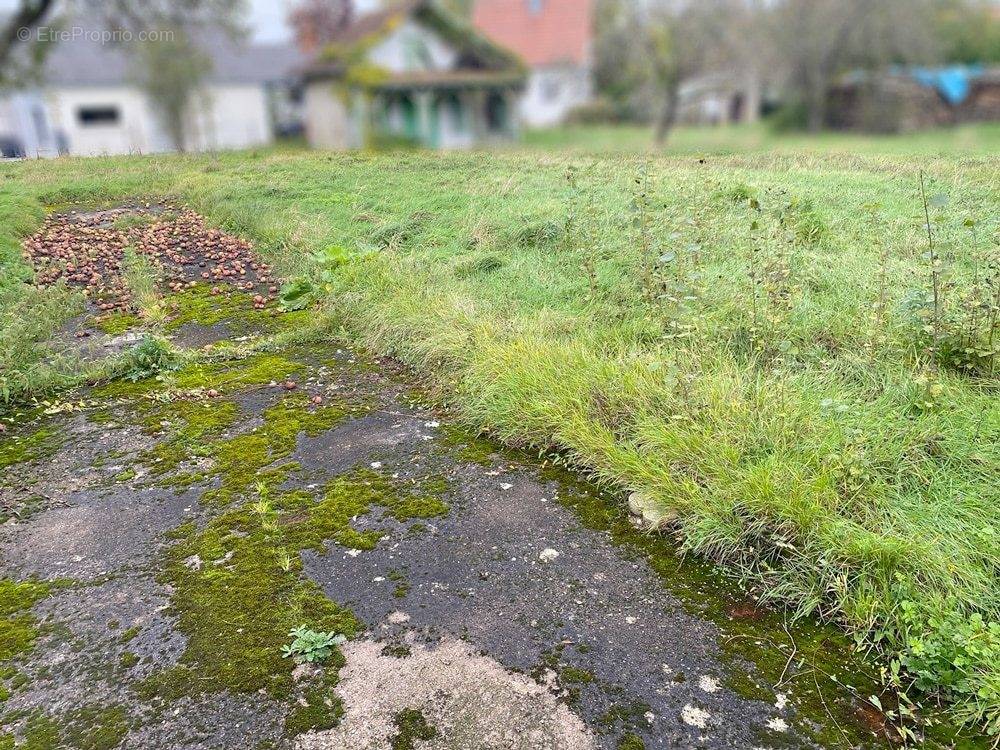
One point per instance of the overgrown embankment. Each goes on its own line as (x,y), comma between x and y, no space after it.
(770,346)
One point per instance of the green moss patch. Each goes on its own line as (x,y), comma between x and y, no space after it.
(194,426)
(223,375)
(118,323)
(87,728)
(197,305)
(236,603)
(96,728)
(244,460)
(18,627)
(318,707)
(230,375)
(239,589)
(631,742)
(18,449)
(411,727)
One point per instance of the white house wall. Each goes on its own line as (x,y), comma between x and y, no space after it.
(226,117)
(231,117)
(24,117)
(134,132)
(552,92)
(396,53)
(328,122)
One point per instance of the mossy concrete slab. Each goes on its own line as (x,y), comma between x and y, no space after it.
(188,523)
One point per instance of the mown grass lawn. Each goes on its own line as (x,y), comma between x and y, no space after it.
(963,140)
(752,339)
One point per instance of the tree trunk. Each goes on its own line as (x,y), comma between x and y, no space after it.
(816,111)
(816,93)
(20,26)
(668,115)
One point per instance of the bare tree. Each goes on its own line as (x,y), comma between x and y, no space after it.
(686,38)
(818,39)
(646,51)
(317,22)
(20,47)
(171,70)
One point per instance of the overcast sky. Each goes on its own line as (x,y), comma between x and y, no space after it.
(267,17)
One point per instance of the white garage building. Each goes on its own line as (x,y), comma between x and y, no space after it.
(92,104)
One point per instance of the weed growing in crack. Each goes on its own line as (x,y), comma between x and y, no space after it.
(154,357)
(309,646)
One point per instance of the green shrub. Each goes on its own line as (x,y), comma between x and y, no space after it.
(952,655)
(789,117)
(297,294)
(152,357)
(600,111)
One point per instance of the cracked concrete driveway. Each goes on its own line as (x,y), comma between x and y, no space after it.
(163,536)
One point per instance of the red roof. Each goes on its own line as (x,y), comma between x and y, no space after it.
(542,32)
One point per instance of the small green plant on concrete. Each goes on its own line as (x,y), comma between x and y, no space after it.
(297,294)
(310,646)
(151,358)
(302,291)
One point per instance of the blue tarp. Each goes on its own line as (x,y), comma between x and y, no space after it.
(953,83)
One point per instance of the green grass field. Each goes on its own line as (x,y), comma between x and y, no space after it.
(959,141)
(752,340)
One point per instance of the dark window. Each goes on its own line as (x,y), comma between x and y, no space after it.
(496,112)
(11,148)
(98,115)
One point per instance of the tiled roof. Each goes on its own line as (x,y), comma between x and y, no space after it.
(85,61)
(542,32)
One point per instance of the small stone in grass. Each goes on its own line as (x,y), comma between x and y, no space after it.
(290,385)
(548,555)
(317,399)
